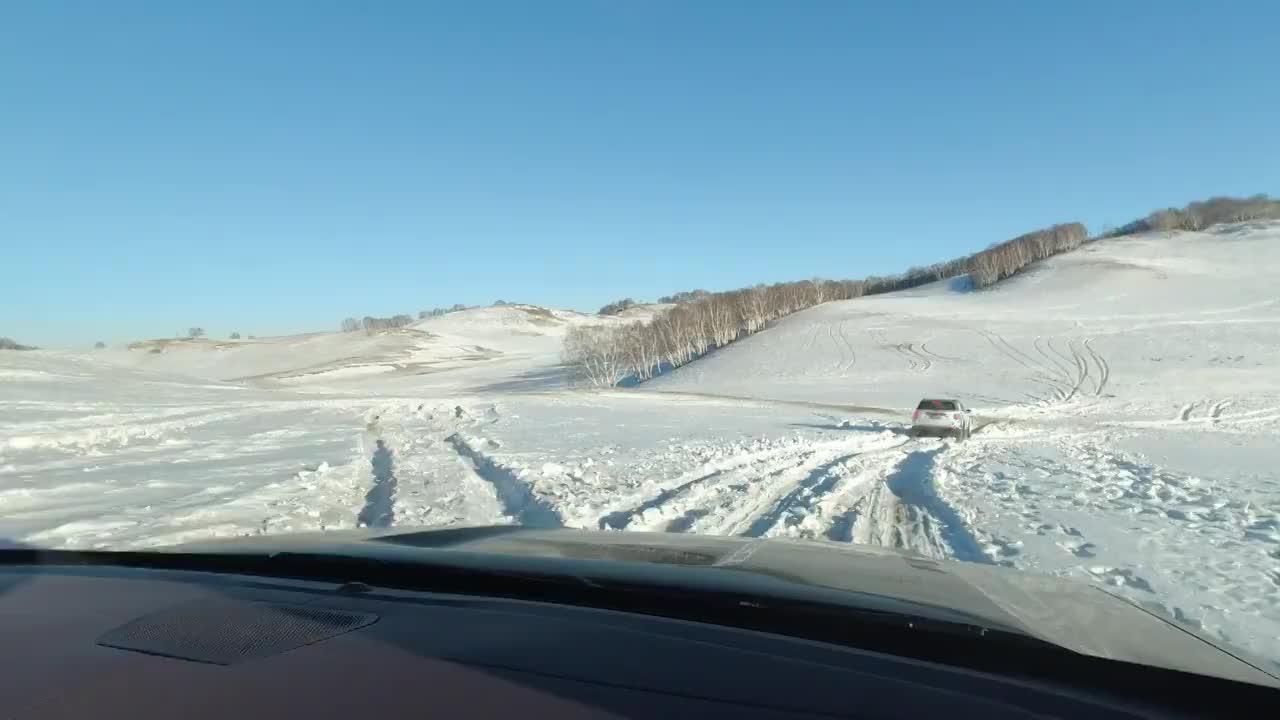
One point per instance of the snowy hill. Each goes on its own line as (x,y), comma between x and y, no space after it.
(1136,327)
(520,338)
(1128,394)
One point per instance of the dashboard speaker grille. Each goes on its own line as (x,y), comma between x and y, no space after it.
(225,631)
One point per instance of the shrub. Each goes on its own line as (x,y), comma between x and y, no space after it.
(11,344)
(1205,213)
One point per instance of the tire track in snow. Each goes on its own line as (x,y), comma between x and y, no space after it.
(1185,413)
(923,361)
(810,337)
(820,481)
(1044,346)
(1006,348)
(1104,368)
(801,501)
(903,511)
(726,499)
(517,496)
(621,519)
(1037,374)
(1081,368)
(853,354)
(918,506)
(805,351)
(913,361)
(839,365)
(1063,373)
(733,488)
(1212,413)
(735,507)
(924,348)
(734,504)
(1251,417)
(1078,369)
(434,485)
(850,501)
(1080,362)
(1216,410)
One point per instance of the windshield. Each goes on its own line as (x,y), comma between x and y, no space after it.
(937,405)
(685,268)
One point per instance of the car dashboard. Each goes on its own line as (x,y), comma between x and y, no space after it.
(136,642)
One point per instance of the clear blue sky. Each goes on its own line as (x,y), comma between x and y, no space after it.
(272,167)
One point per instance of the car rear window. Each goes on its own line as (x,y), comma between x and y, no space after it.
(937,405)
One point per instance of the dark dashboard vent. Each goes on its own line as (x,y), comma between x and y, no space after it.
(224,631)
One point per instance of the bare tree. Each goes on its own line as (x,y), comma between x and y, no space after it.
(598,353)
(678,344)
(641,344)
(683,297)
(1205,213)
(372,324)
(1007,258)
(195,332)
(350,325)
(753,308)
(723,319)
(701,321)
(235,336)
(617,307)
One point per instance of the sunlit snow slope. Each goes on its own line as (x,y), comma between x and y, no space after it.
(1179,329)
(514,339)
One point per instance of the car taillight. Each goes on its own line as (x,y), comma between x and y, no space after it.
(956,416)
(915,415)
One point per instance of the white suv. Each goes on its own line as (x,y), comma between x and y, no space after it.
(942,417)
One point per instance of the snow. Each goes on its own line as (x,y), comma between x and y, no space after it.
(1126,395)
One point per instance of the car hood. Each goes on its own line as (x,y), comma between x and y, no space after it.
(1068,613)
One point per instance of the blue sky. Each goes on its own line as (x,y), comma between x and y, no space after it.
(273,167)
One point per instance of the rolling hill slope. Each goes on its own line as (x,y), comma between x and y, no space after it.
(1153,328)
(457,348)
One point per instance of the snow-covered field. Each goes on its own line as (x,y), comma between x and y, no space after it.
(1128,396)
